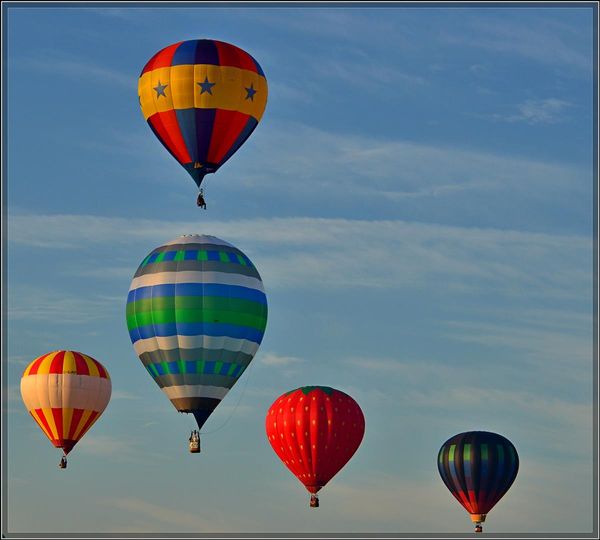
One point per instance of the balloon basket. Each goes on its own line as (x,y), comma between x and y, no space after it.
(194,442)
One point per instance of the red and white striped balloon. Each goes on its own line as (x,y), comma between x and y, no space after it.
(65,392)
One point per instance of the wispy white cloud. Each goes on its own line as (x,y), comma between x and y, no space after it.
(108,446)
(304,162)
(350,27)
(35,303)
(537,111)
(78,70)
(279,90)
(18,360)
(392,498)
(337,166)
(12,394)
(286,367)
(164,518)
(131,15)
(545,42)
(123,394)
(373,76)
(273,359)
(569,344)
(289,253)
(454,392)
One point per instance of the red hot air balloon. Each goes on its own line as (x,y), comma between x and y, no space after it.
(315,430)
(478,467)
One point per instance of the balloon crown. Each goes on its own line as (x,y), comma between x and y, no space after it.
(307,389)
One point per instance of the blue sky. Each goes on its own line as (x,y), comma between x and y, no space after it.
(418,199)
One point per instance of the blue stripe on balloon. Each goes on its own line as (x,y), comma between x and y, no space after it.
(206,52)
(132,295)
(453,473)
(209,367)
(197,289)
(185,53)
(190,255)
(467,467)
(213,255)
(246,132)
(484,463)
(196,329)
(190,366)
(169,256)
(196,51)
(186,118)
(204,122)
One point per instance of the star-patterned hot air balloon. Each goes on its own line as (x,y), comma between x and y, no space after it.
(65,392)
(202,98)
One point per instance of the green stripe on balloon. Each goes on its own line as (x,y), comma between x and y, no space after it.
(155,317)
(196,302)
(467,452)
(484,452)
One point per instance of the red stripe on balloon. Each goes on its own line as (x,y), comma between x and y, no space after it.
(74,422)
(80,364)
(481,502)
(230,55)
(36,364)
(88,424)
(166,126)
(473,501)
(67,445)
(464,500)
(44,422)
(226,129)
(58,422)
(162,58)
(56,366)
(101,370)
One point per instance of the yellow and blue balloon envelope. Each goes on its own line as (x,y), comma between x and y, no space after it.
(202,98)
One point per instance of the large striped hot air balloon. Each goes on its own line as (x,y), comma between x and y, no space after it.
(65,392)
(315,430)
(478,467)
(202,98)
(196,314)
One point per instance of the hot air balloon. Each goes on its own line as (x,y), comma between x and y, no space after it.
(196,314)
(478,467)
(65,392)
(202,98)
(315,430)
